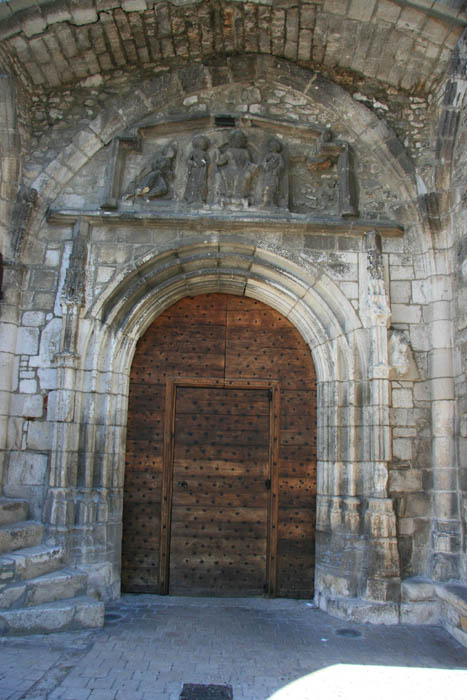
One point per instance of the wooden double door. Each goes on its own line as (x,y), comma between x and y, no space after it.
(220,481)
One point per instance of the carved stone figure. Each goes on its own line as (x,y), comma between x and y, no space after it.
(271,169)
(196,190)
(154,183)
(401,359)
(235,170)
(377,305)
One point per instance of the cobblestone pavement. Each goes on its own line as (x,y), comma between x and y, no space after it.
(279,649)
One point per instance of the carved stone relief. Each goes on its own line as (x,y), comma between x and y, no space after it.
(196,190)
(301,171)
(401,358)
(154,183)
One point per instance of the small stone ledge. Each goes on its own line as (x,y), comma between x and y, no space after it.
(360,611)
(426,602)
(233,221)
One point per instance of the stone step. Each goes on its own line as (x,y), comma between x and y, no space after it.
(18,535)
(57,585)
(62,615)
(13,510)
(30,562)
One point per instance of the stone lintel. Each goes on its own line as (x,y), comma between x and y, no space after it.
(231,221)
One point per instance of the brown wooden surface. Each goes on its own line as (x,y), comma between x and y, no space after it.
(218,432)
(209,556)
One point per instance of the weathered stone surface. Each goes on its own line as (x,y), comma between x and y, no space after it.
(11,510)
(47,588)
(78,613)
(31,562)
(18,535)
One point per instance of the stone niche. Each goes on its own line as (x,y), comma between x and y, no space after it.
(224,162)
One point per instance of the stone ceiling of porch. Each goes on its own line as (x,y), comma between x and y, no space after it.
(398,43)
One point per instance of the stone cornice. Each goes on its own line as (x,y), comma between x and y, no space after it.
(231,221)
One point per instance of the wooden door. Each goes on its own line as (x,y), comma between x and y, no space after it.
(219,514)
(231,340)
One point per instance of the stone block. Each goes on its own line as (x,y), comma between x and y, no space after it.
(443,418)
(12,510)
(402,449)
(28,386)
(39,435)
(27,405)
(405,480)
(28,468)
(8,337)
(33,318)
(406,313)
(11,595)
(27,342)
(34,561)
(58,585)
(417,589)
(402,398)
(420,613)
(81,14)
(361,10)
(415,505)
(33,23)
(19,535)
(134,5)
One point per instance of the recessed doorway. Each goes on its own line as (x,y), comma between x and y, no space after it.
(220,481)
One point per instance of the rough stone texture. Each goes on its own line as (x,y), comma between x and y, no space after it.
(151,646)
(79,613)
(358,237)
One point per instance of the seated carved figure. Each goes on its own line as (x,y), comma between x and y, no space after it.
(235,169)
(154,183)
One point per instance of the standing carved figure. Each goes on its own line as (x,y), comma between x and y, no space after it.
(272,167)
(154,183)
(236,170)
(196,190)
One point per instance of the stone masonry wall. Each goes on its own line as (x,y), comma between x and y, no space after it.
(114,249)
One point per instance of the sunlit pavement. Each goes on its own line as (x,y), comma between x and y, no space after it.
(277,649)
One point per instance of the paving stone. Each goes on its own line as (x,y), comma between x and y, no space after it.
(256,646)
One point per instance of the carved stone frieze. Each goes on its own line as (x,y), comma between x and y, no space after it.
(274,169)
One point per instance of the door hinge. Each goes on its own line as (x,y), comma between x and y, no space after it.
(267,483)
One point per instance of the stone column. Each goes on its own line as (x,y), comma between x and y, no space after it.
(64,403)
(382,574)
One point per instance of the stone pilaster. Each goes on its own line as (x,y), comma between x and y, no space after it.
(382,558)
